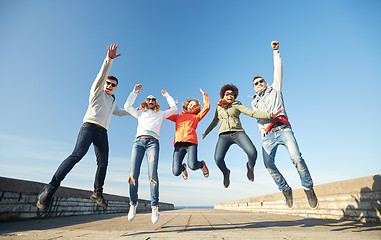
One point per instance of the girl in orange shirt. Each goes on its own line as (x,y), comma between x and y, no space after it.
(186,136)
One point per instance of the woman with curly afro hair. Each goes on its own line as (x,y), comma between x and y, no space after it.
(231,131)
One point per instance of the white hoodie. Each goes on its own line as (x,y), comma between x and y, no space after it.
(148,120)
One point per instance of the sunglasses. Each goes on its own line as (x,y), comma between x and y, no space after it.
(151,99)
(260,81)
(229,93)
(110,83)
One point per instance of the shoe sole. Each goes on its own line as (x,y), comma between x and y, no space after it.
(42,207)
(99,203)
(205,175)
(317,205)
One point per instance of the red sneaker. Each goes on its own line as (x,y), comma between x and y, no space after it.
(205,170)
(185,173)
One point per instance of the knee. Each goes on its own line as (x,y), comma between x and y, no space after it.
(252,154)
(176,172)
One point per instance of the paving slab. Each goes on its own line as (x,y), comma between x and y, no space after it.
(192,224)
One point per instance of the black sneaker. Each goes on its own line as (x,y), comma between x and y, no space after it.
(98,198)
(227,180)
(289,199)
(311,198)
(45,197)
(250,173)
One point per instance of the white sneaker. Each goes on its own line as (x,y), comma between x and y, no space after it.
(155,214)
(132,212)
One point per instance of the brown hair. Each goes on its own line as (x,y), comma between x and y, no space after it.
(229,87)
(196,110)
(113,78)
(144,106)
(256,77)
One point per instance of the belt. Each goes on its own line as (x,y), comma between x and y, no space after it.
(97,125)
(145,136)
(275,129)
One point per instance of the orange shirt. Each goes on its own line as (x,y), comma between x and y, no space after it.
(186,123)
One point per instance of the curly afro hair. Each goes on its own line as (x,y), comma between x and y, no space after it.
(229,87)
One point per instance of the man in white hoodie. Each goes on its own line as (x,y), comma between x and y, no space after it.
(102,106)
(147,141)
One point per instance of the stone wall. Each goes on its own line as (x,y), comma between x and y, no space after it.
(356,199)
(18,201)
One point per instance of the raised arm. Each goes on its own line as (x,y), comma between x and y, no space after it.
(100,80)
(131,99)
(278,70)
(172,105)
(206,107)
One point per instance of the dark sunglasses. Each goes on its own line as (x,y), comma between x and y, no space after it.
(151,99)
(229,93)
(110,83)
(260,81)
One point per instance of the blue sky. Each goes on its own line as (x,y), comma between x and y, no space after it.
(51,52)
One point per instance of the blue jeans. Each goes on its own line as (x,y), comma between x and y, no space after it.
(89,133)
(285,137)
(225,140)
(178,155)
(141,146)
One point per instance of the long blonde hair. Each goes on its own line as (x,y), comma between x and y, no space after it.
(144,106)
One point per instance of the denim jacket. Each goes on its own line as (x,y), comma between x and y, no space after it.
(270,99)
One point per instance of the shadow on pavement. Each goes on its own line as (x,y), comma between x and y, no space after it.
(334,225)
(51,223)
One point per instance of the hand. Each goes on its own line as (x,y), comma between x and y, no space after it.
(202,91)
(164,93)
(277,113)
(112,51)
(138,88)
(176,102)
(275,45)
(263,134)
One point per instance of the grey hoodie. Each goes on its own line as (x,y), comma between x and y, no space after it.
(101,105)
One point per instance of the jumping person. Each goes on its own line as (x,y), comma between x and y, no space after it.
(186,137)
(147,141)
(231,131)
(276,132)
(102,105)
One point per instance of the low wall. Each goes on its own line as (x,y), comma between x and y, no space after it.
(18,201)
(356,199)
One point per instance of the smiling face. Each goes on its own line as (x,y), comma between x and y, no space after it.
(110,86)
(193,107)
(259,84)
(151,102)
(229,96)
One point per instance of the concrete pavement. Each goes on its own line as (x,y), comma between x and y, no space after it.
(189,224)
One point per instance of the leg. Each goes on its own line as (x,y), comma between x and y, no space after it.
(193,163)
(153,162)
(101,149)
(288,139)
(178,156)
(84,140)
(223,144)
(244,142)
(138,150)
(269,148)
